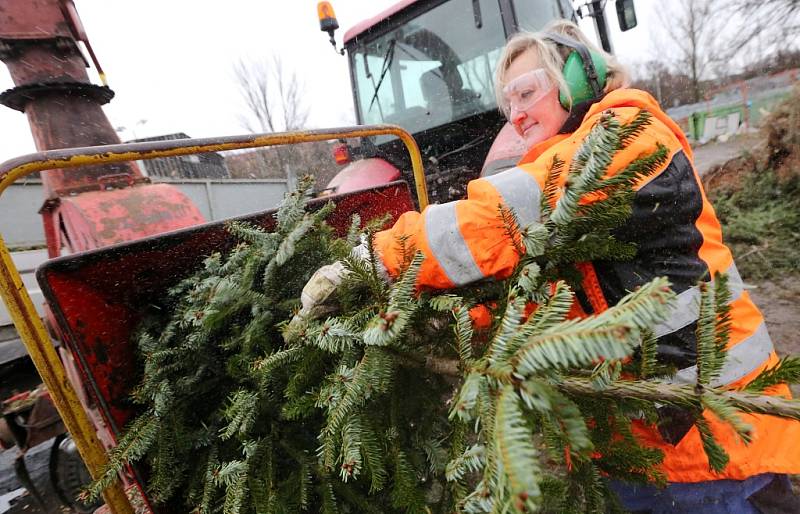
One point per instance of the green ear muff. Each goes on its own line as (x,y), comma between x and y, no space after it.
(577,80)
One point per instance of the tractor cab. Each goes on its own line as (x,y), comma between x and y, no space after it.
(428,66)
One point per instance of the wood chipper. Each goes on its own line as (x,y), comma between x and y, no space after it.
(97,297)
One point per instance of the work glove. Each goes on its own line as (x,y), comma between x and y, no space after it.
(319,290)
(318,295)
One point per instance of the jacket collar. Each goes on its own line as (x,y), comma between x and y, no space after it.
(617,98)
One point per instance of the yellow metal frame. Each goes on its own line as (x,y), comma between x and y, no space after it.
(27,321)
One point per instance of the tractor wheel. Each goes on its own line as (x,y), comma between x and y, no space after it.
(69,475)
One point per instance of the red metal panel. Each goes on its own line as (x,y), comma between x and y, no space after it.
(101,218)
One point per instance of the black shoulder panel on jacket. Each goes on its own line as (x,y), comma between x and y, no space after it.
(663,228)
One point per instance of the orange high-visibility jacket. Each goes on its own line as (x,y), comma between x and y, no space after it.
(678,236)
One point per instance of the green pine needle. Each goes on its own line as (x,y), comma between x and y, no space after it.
(519,457)
(787,371)
(718,458)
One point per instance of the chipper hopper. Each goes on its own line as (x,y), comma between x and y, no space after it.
(98,297)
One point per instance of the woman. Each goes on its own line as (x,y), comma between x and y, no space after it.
(553,86)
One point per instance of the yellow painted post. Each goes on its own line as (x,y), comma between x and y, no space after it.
(44,356)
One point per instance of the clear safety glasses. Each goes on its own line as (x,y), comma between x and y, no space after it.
(524,91)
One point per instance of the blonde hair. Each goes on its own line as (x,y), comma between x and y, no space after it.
(552,57)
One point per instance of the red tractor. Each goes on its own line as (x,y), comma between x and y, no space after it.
(427,66)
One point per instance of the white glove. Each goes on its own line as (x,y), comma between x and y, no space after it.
(324,282)
(319,288)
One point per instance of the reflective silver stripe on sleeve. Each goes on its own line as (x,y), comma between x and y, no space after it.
(520,191)
(448,246)
(686,309)
(741,360)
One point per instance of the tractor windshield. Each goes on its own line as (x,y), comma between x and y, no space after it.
(432,70)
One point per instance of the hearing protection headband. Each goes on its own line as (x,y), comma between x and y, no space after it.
(584,71)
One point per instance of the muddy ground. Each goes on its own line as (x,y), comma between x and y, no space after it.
(780,302)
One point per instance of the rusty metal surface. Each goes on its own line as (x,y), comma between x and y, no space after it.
(68,121)
(101,218)
(43,423)
(15,20)
(52,87)
(34,62)
(99,297)
(19,97)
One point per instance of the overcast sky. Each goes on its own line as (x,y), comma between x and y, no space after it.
(170,61)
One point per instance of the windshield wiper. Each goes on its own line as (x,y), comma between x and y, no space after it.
(387,63)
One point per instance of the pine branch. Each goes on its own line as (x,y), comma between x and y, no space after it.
(292,208)
(575,345)
(463,334)
(268,365)
(631,130)
(389,325)
(510,224)
(683,395)
(551,188)
(354,232)
(138,439)
(405,493)
(718,458)
(517,453)
(647,357)
(498,349)
(547,315)
(240,414)
(589,163)
(471,461)
(373,453)
(637,170)
(535,238)
(787,370)
(725,411)
(350,452)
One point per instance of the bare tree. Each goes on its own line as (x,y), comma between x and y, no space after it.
(273,97)
(694,28)
(780,19)
(274,102)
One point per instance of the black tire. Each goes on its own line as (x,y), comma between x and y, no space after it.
(69,475)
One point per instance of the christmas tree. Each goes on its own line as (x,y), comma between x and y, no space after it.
(396,403)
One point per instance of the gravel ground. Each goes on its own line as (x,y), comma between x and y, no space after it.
(712,154)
